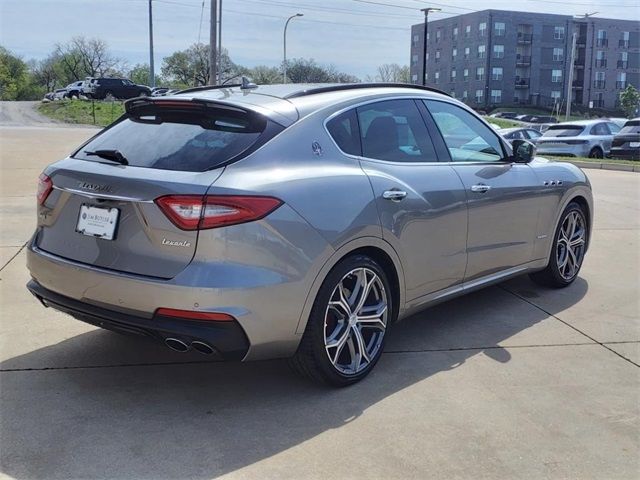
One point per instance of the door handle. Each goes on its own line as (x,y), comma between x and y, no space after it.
(394,195)
(480,188)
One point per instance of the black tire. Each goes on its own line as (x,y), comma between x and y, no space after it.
(596,152)
(312,358)
(552,276)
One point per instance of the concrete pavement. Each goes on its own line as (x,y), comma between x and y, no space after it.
(514,381)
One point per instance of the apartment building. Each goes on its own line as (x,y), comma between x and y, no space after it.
(496,57)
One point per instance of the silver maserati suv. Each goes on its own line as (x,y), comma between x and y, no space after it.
(302,221)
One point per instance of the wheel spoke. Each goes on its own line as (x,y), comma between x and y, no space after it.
(362,348)
(338,344)
(374,319)
(366,290)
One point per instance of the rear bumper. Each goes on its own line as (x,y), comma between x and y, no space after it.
(626,153)
(569,150)
(227,338)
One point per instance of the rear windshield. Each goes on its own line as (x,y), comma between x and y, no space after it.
(167,140)
(631,127)
(563,131)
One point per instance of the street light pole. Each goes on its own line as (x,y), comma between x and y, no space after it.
(570,79)
(213,44)
(424,41)
(152,80)
(284,63)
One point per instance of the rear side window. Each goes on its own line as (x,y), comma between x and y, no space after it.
(169,140)
(344,131)
(394,130)
(600,129)
(563,131)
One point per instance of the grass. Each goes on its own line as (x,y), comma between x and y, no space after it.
(83,111)
(502,122)
(592,160)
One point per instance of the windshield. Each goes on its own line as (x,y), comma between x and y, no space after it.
(177,141)
(564,131)
(631,127)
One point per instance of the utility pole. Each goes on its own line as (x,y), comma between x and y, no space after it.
(574,39)
(424,41)
(220,66)
(213,44)
(152,78)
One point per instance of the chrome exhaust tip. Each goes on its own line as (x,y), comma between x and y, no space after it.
(176,344)
(202,347)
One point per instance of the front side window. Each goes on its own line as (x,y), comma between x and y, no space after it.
(393,130)
(466,137)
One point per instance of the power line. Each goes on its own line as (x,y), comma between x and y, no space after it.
(307,6)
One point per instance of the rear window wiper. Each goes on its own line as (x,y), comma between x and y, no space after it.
(113,155)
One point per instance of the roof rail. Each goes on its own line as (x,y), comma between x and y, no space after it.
(208,87)
(355,86)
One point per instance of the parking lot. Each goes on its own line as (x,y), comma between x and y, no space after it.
(514,381)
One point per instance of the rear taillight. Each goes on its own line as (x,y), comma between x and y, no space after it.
(44,188)
(194,212)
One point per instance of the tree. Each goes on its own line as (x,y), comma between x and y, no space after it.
(82,57)
(392,73)
(16,82)
(47,72)
(301,70)
(190,67)
(263,75)
(140,74)
(630,100)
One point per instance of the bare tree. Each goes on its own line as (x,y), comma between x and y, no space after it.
(391,73)
(82,57)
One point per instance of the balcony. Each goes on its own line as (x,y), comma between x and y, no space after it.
(623,43)
(523,60)
(623,64)
(601,63)
(578,85)
(579,63)
(522,83)
(621,84)
(581,41)
(602,42)
(524,37)
(599,84)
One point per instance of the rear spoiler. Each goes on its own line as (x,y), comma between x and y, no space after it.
(145,106)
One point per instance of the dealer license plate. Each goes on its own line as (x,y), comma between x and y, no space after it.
(97,222)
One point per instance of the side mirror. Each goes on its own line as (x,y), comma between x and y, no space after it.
(523,151)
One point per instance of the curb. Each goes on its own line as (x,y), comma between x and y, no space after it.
(607,166)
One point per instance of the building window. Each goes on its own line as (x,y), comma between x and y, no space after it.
(414,60)
(496,73)
(416,40)
(437,59)
(465,95)
(438,35)
(482,29)
(426,76)
(428,35)
(623,62)
(624,40)
(480,73)
(436,78)
(601,40)
(479,95)
(454,53)
(499,29)
(454,33)
(452,93)
(482,51)
(498,51)
(599,82)
(427,56)
(621,80)
(558,54)
(453,75)
(556,76)
(414,78)
(555,94)
(465,74)
(467,31)
(496,96)
(558,33)
(466,52)
(601,60)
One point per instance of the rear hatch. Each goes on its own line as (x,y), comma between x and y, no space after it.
(103,208)
(628,136)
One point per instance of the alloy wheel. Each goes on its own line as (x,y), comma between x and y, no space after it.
(571,244)
(355,321)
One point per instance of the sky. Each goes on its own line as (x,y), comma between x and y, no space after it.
(354,35)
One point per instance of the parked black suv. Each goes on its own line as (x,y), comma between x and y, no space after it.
(116,87)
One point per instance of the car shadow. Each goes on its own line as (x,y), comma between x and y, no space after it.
(201,420)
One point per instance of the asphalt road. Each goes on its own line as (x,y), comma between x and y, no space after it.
(514,381)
